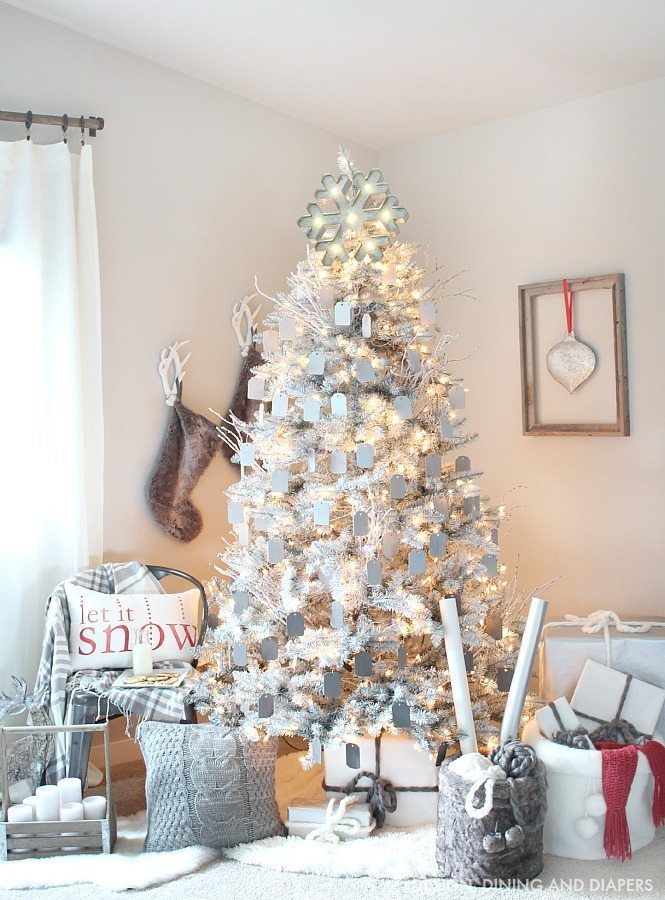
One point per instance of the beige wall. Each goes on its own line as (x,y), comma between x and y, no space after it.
(197,191)
(573,190)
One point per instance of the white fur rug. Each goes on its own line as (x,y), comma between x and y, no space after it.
(126,868)
(390,853)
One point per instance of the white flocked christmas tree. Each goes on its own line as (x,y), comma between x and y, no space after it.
(357,508)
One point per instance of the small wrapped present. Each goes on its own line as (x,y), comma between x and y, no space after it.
(605,695)
(314,812)
(635,647)
(337,822)
(557,718)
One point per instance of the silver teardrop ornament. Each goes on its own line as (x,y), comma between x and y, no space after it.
(571,362)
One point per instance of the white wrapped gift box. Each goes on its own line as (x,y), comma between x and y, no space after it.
(572,776)
(314,812)
(402,763)
(603,694)
(567,645)
(558,715)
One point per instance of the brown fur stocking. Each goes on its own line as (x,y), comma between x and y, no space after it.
(191,442)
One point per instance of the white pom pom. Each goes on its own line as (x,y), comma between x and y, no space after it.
(586,828)
(595,805)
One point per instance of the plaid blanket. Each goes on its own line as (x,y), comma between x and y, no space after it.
(56,680)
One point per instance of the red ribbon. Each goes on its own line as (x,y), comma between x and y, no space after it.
(568,301)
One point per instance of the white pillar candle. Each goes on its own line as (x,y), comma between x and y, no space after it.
(32,803)
(458,680)
(48,803)
(20,813)
(142,658)
(510,727)
(94,807)
(70,790)
(71,811)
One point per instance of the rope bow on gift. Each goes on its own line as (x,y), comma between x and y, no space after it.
(601,620)
(336,824)
(381,795)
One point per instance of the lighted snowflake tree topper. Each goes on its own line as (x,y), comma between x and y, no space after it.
(355,216)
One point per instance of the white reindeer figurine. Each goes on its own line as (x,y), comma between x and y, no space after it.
(28,757)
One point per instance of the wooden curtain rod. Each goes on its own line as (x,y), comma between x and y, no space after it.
(92,123)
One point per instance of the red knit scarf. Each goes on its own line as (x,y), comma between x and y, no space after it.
(619,763)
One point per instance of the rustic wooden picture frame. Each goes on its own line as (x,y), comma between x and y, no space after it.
(532,294)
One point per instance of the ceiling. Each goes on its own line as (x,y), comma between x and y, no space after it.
(385,72)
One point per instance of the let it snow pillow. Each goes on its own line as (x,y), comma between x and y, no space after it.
(104,627)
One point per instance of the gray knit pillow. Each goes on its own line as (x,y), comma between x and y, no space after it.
(207,786)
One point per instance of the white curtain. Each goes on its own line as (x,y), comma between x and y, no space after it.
(51,440)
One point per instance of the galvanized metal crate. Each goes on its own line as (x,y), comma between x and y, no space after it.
(26,840)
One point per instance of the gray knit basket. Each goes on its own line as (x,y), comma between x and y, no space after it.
(460,851)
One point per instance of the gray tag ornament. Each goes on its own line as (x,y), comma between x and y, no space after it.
(317,363)
(280,406)
(336,614)
(360,524)
(365,373)
(240,602)
(462,464)
(433,465)
(295,624)
(338,462)
(417,562)
(266,706)
(363,664)
(256,388)
(446,427)
(437,544)
(352,754)
(343,313)
(398,487)
(403,407)
(275,551)
(364,456)
(338,404)
(332,685)
(322,512)
(269,648)
(489,561)
(401,714)
(374,574)
(315,751)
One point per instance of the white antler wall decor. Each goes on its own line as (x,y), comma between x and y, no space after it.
(171,357)
(243,313)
